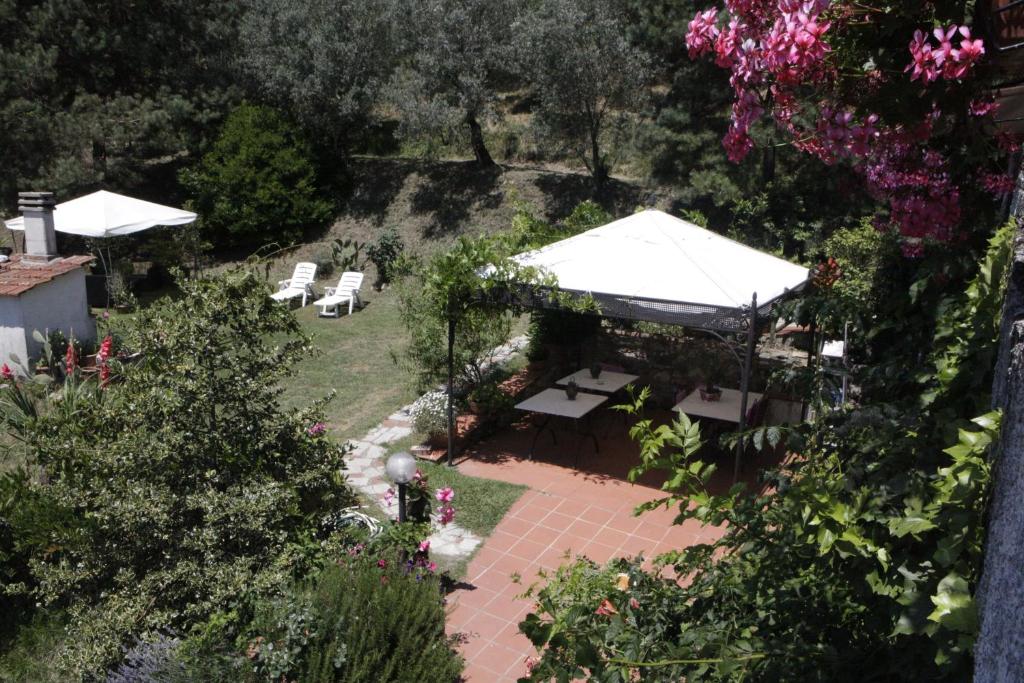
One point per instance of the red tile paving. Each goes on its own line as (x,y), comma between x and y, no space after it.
(566,512)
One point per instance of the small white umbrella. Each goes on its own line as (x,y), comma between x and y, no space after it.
(103,214)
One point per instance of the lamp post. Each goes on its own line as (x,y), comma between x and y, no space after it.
(401,468)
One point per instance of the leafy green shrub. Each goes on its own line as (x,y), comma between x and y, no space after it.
(530,232)
(258,184)
(585,216)
(865,257)
(384,253)
(359,622)
(479,333)
(184,485)
(605,622)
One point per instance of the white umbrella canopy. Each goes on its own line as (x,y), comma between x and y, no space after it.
(652,255)
(107,214)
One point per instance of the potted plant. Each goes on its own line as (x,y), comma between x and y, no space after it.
(709,391)
(122,296)
(430,415)
(571,390)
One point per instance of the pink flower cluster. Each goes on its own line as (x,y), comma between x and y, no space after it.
(316,429)
(700,39)
(923,200)
(930,62)
(796,42)
(783,41)
(777,50)
(447,512)
(998,183)
(6,372)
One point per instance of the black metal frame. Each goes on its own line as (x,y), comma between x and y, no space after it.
(715,320)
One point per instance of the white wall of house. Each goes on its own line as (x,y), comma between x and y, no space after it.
(12,331)
(59,304)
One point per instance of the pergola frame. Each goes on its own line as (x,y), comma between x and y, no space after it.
(714,320)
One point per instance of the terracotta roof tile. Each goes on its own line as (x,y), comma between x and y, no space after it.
(17,276)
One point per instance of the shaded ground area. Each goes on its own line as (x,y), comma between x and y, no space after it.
(567,512)
(431,202)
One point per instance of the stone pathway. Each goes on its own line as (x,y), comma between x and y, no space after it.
(366,471)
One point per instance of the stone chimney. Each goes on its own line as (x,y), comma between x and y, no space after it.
(40,238)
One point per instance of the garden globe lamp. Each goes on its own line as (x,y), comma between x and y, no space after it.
(401,468)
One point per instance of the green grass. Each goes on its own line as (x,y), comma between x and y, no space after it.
(354,359)
(479,503)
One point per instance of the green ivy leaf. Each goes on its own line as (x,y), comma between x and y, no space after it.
(954,605)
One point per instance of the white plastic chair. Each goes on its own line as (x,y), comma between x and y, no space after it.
(347,291)
(300,284)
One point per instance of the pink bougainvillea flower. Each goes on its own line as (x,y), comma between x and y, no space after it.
(700,38)
(606,608)
(6,372)
(445,495)
(923,63)
(998,183)
(424,546)
(316,429)
(382,563)
(982,107)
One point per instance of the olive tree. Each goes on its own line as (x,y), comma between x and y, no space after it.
(585,73)
(326,61)
(459,50)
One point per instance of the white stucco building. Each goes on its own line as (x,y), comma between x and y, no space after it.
(38,289)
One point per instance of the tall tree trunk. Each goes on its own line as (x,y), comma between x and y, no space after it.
(476,139)
(597,165)
(999,654)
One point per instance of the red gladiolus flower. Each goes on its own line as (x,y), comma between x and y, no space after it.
(105,349)
(101,359)
(70,359)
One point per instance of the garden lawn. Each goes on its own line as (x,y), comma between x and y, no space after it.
(354,359)
(479,503)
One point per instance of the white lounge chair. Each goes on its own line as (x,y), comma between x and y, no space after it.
(300,284)
(347,291)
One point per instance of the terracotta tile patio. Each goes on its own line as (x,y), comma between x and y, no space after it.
(566,512)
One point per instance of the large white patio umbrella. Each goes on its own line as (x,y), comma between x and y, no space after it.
(107,214)
(102,215)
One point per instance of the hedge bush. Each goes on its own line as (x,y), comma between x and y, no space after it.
(258,184)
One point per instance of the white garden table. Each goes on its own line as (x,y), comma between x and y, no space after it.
(726,408)
(554,403)
(607,383)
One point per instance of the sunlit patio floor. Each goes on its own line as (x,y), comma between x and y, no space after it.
(568,511)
